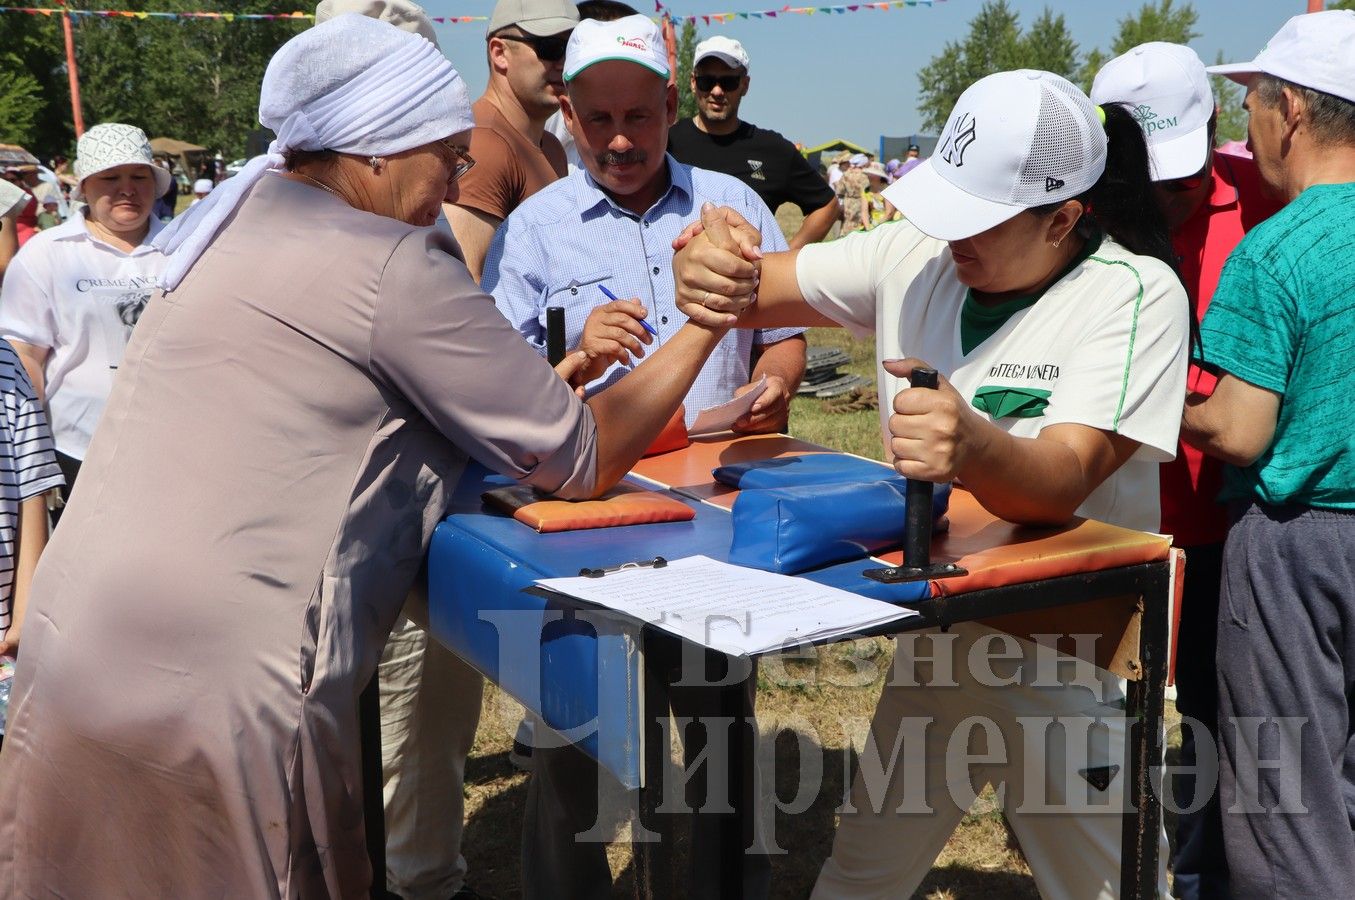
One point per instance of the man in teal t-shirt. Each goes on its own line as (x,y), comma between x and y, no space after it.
(1281,333)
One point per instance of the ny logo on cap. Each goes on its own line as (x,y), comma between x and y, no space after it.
(958,141)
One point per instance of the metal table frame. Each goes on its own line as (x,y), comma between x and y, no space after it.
(1146,585)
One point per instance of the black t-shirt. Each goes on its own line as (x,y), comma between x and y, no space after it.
(761,159)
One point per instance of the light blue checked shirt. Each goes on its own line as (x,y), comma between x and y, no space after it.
(569,238)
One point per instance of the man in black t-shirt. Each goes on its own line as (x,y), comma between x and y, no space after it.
(764,160)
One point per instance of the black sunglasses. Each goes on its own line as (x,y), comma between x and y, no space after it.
(727,83)
(547,49)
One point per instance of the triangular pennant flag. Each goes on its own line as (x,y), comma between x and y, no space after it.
(706,19)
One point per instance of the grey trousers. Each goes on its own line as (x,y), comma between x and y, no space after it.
(1286,668)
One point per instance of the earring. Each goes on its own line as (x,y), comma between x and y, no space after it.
(375,162)
(1059,241)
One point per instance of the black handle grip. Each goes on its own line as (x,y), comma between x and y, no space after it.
(917,528)
(555,334)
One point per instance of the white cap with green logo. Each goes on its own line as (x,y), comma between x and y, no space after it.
(1167,90)
(633,39)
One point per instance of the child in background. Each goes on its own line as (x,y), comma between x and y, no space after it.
(28,470)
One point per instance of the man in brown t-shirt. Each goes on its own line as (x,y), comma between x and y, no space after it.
(514,154)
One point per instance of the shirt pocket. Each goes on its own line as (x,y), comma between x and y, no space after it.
(582,289)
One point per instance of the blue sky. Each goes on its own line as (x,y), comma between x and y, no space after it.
(854,76)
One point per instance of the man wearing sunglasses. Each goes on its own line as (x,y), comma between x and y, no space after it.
(1210,200)
(716,139)
(515,155)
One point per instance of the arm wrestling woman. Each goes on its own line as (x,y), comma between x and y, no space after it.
(293,411)
(1034,272)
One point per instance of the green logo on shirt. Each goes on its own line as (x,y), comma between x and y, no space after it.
(1001,402)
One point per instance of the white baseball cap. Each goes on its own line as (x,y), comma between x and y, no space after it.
(1315,51)
(1015,140)
(1167,90)
(726,50)
(109,145)
(632,38)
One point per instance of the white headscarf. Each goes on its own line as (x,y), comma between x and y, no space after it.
(353,84)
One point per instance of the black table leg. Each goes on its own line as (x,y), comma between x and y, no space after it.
(653,858)
(737,829)
(373,807)
(1142,823)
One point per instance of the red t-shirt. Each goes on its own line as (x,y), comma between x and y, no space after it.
(26,223)
(1191,482)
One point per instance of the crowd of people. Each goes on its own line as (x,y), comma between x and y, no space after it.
(269,399)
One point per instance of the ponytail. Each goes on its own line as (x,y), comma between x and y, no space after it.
(1122,200)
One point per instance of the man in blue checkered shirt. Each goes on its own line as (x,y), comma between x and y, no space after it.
(611,224)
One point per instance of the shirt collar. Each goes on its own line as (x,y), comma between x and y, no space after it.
(590,196)
(74,229)
(1224,193)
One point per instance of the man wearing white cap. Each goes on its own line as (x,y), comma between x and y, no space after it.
(716,139)
(610,227)
(516,156)
(1280,332)
(73,293)
(1210,199)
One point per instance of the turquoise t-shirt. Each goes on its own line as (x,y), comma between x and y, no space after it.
(1283,318)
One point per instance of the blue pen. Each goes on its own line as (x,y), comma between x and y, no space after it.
(611,296)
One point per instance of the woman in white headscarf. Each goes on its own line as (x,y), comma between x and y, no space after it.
(291,414)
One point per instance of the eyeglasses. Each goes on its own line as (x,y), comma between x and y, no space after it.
(464,161)
(547,49)
(727,83)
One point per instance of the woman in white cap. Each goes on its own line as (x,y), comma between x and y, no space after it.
(1033,272)
(291,415)
(74,292)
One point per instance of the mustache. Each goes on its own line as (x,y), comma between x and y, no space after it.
(612,158)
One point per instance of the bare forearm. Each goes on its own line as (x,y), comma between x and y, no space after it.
(31,542)
(784,359)
(816,225)
(1025,480)
(473,230)
(1235,424)
(1208,428)
(632,412)
(779,301)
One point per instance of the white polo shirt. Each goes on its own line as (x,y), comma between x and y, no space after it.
(72,293)
(1104,346)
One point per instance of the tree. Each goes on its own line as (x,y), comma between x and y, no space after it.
(1232,121)
(35,59)
(1162,21)
(194,79)
(686,52)
(20,101)
(994,44)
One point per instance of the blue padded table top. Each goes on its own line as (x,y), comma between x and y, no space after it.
(581,673)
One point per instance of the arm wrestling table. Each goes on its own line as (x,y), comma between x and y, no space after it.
(588,679)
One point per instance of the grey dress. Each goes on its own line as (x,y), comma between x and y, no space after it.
(256,503)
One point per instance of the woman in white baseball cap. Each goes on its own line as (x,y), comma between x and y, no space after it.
(74,292)
(1033,272)
(294,409)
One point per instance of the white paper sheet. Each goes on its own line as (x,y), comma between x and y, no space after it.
(732,609)
(714,419)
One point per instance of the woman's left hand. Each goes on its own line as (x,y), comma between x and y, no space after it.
(933,432)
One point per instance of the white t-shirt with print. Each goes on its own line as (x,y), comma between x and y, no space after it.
(1107,342)
(80,297)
